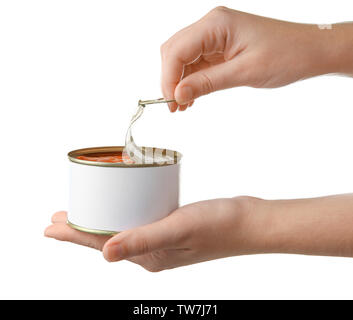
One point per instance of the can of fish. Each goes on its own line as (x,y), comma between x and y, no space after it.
(108,195)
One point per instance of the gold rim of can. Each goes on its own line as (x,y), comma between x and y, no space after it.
(96,150)
(93,231)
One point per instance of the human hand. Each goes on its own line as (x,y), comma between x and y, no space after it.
(229,48)
(221,228)
(194,233)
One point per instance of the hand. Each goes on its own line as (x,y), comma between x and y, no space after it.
(228,48)
(194,233)
(227,227)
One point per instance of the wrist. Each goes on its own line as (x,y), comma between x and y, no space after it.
(256,232)
(271,233)
(270,225)
(331,49)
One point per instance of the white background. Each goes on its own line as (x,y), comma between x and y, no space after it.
(71,73)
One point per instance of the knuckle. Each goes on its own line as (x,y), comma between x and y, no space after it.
(206,83)
(220,13)
(124,249)
(142,245)
(154,268)
(219,10)
(164,48)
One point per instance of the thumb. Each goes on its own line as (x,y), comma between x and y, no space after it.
(139,241)
(222,76)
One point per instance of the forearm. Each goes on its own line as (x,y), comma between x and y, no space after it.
(319,226)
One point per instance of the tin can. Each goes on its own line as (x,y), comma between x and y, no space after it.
(106,198)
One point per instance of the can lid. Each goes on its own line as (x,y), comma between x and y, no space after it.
(106,151)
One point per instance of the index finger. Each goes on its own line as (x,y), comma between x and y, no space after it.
(181,49)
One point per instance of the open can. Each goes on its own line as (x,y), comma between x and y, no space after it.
(106,198)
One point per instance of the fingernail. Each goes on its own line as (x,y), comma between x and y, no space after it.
(183,108)
(186,95)
(172,106)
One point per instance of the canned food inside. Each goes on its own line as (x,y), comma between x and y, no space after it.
(116,156)
(112,157)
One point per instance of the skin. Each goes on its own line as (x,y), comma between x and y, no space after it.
(222,228)
(226,49)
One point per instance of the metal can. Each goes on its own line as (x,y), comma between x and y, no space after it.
(106,198)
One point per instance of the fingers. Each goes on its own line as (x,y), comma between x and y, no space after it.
(221,76)
(171,75)
(163,234)
(59,230)
(155,247)
(184,48)
(173,61)
(63,232)
(59,217)
(184,107)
